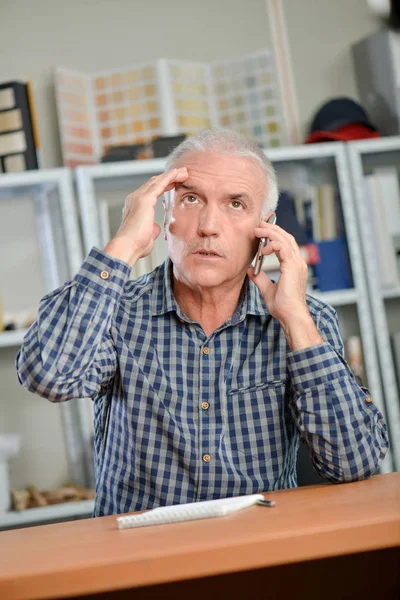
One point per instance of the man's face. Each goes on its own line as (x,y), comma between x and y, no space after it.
(209,226)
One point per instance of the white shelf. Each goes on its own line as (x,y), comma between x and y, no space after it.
(10,339)
(391,293)
(55,228)
(363,157)
(378,145)
(42,514)
(28,182)
(337,297)
(302,152)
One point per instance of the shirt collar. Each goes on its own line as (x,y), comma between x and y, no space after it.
(163,299)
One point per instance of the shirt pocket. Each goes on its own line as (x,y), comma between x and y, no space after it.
(256,422)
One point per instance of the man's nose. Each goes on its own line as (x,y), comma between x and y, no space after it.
(209,220)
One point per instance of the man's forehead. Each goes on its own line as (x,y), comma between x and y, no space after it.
(231,190)
(212,158)
(228,171)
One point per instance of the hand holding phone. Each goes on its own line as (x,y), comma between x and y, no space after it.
(263,242)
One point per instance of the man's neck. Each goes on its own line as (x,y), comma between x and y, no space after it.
(210,307)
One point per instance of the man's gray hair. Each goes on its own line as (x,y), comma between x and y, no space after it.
(231,143)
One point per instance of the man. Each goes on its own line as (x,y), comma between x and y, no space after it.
(203,377)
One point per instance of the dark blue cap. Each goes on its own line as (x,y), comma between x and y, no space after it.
(338,113)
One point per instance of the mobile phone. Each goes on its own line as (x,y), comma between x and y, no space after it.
(263,242)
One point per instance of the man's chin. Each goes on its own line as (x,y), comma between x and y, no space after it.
(209,275)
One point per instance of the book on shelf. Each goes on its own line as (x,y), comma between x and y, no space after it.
(333,270)
(319,213)
(317,210)
(383,209)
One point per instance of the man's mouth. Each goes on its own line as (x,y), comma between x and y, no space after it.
(209,253)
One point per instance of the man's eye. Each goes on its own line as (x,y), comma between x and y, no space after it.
(237,204)
(190,199)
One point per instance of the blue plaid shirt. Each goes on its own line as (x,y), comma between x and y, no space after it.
(180,416)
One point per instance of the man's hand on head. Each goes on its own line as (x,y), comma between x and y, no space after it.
(286,299)
(138,231)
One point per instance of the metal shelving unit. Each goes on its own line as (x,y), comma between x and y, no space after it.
(10,339)
(363,156)
(329,158)
(332,159)
(56,227)
(46,514)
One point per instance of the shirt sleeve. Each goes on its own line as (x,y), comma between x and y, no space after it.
(345,432)
(68,352)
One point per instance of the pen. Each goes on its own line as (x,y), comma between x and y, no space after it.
(266,502)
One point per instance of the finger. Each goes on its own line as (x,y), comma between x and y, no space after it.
(262,281)
(154,182)
(167,181)
(283,250)
(274,232)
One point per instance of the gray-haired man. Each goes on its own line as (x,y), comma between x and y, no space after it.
(203,377)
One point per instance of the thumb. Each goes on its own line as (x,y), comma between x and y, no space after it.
(261,280)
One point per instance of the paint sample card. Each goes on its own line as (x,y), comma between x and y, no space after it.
(12,142)
(246,93)
(73,94)
(10,120)
(134,105)
(7,98)
(15,163)
(126,106)
(192,95)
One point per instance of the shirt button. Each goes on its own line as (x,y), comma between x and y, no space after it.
(368,399)
(206,458)
(104,274)
(206,350)
(204,405)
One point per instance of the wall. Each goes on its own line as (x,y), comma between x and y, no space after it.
(100,34)
(320,36)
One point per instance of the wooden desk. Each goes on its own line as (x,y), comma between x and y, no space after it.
(251,550)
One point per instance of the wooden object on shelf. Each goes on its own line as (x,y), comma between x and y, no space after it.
(36,497)
(32,497)
(20,499)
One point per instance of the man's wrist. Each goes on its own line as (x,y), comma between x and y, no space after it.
(300,331)
(121,250)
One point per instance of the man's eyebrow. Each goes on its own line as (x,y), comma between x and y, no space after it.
(192,188)
(185,186)
(238,196)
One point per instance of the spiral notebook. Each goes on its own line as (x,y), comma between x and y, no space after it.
(192,511)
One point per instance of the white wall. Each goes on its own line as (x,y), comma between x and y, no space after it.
(38,35)
(321,33)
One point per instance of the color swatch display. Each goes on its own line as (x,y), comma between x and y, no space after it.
(135,104)
(17,143)
(247,97)
(75,114)
(190,86)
